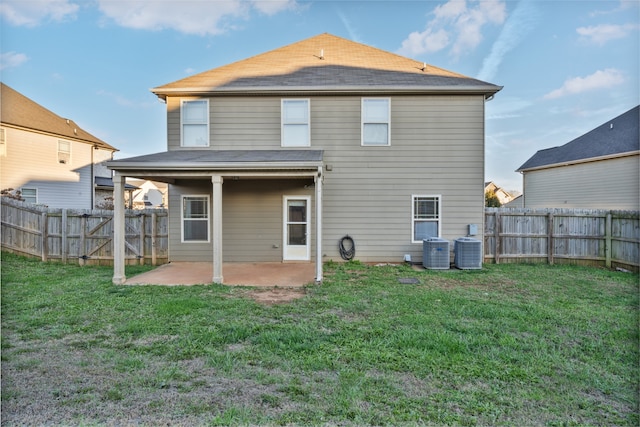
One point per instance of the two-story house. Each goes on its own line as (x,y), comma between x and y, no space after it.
(597,170)
(280,156)
(51,160)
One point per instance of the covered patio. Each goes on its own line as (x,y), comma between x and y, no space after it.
(216,166)
(257,274)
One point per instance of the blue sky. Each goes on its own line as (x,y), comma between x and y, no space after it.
(566,66)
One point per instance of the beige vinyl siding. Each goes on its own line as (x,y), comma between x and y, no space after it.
(32,162)
(252,219)
(437,148)
(604,184)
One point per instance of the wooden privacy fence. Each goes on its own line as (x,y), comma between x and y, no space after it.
(83,236)
(578,236)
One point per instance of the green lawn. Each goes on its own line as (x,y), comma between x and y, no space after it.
(506,345)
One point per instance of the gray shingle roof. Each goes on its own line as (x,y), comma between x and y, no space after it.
(326,63)
(616,136)
(217,158)
(19,111)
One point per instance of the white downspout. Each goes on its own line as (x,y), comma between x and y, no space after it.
(318,179)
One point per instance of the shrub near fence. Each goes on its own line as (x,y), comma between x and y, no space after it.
(83,236)
(577,236)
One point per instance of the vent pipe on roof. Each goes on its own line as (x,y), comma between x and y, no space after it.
(424,66)
(611,126)
(321,53)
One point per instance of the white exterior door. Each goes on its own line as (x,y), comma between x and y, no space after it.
(296,236)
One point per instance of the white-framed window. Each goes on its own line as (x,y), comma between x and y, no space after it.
(3,143)
(195,123)
(195,219)
(295,123)
(64,152)
(30,195)
(376,122)
(425,217)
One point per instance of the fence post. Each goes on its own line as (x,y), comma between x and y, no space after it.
(44,233)
(82,251)
(63,236)
(154,234)
(607,240)
(142,237)
(497,229)
(550,238)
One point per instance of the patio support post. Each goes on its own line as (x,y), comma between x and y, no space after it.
(118,229)
(217,228)
(318,181)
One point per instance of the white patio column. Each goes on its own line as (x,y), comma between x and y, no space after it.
(118,229)
(217,228)
(318,180)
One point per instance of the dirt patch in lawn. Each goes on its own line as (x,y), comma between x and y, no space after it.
(276,295)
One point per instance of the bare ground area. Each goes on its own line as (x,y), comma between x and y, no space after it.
(70,382)
(59,384)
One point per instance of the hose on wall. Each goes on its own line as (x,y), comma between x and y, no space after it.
(348,251)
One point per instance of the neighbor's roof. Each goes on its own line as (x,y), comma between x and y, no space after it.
(328,64)
(18,111)
(221,159)
(615,137)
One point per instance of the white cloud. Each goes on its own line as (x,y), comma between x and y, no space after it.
(33,12)
(601,79)
(12,59)
(457,25)
(192,17)
(523,19)
(601,34)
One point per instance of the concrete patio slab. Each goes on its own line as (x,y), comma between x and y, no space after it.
(261,274)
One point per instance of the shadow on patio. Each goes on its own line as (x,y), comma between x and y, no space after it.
(264,274)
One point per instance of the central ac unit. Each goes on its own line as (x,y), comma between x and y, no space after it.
(467,253)
(435,253)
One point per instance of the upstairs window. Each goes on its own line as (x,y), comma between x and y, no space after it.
(195,123)
(295,123)
(195,218)
(30,195)
(375,121)
(64,152)
(425,215)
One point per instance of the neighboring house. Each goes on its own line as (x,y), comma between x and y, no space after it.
(598,170)
(51,160)
(149,194)
(279,156)
(503,195)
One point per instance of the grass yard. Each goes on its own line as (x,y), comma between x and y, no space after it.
(506,345)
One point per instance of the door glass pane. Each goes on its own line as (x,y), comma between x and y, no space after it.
(297,234)
(297,211)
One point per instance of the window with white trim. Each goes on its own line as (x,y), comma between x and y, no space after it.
(195,218)
(30,195)
(195,123)
(376,129)
(64,152)
(425,217)
(3,143)
(295,123)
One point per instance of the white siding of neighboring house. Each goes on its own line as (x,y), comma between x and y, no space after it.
(31,161)
(604,184)
(437,148)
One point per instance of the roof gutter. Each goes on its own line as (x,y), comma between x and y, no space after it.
(579,161)
(487,90)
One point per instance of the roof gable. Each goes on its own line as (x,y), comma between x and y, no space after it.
(617,136)
(20,111)
(329,64)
